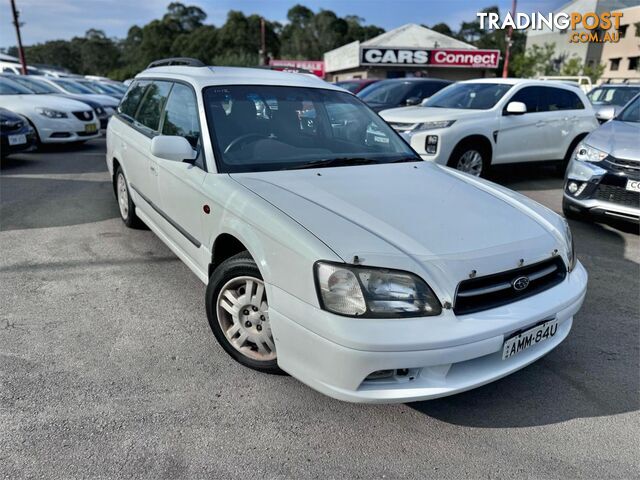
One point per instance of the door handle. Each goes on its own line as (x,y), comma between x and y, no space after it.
(541,124)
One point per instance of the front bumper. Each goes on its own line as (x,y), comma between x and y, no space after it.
(602,188)
(441,355)
(65,130)
(30,144)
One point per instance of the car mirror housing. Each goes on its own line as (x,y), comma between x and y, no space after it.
(605,114)
(516,108)
(172,147)
(424,101)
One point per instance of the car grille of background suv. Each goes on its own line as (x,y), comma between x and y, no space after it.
(491,291)
(618,195)
(84,116)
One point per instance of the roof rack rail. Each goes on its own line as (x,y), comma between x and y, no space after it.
(283,68)
(186,61)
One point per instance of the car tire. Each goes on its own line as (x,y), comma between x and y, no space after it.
(237,310)
(471,158)
(125,204)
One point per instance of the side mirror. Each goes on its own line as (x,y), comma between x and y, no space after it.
(606,113)
(424,101)
(412,101)
(172,147)
(516,108)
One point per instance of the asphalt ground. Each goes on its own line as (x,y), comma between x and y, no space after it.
(108,368)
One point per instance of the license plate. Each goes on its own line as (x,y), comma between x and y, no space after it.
(90,128)
(529,338)
(633,185)
(17,139)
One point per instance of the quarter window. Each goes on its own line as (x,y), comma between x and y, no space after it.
(150,109)
(181,115)
(131,99)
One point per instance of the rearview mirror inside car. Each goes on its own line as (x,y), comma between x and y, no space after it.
(412,101)
(172,147)
(516,108)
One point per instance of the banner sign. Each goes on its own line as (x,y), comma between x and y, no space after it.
(436,57)
(313,66)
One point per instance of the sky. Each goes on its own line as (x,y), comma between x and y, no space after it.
(63,19)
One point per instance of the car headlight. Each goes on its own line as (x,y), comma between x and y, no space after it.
(586,153)
(50,113)
(435,124)
(370,292)
(571,251)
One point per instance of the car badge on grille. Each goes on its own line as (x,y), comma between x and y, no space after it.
(520,283)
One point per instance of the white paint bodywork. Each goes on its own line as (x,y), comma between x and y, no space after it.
(27,105)
(419,217)
(537,136)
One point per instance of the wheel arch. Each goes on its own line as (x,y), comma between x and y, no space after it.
(230,242)
(474,139)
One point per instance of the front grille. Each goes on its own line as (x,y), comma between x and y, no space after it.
(84,116)
(621,164)
(491,291)
(618,195)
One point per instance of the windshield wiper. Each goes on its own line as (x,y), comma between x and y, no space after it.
(407,159)
(334,162)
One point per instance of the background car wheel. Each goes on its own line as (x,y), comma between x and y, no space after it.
(125,204)
(238,313)
(470,158)
(562,165)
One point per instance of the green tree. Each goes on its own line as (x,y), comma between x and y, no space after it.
(535,61)
(443,28)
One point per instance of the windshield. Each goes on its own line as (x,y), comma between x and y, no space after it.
(469,96)
(258,128)
(72,87)
(97,88)
(35,86)
(385,92)
(631,113)
(617,96)
(9,87)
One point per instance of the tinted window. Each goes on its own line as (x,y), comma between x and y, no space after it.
(469,96)
(152,104)
(530,97)
(259,128)
(426,89)
(555,99)
(612,95)
(385,92)
(131,99)
(181,115)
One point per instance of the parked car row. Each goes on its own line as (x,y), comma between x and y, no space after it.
(53,110)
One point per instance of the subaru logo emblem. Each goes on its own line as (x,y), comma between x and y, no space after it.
(520,283)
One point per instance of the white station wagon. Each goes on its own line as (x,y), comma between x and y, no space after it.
(331,250)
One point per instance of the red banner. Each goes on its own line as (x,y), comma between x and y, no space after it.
(465,58)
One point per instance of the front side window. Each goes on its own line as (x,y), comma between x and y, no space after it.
(152,104)
(181,115)
(529,96)
(260,128)
(469,96)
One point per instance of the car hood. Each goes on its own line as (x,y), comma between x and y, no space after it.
(414,216)
(619,139)
(21,102)
(427,114)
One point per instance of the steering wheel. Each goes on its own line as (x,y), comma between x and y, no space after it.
(236,142)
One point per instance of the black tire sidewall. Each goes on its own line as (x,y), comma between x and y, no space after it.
(237,266)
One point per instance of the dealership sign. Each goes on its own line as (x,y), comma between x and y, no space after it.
(436,57)
(312,66)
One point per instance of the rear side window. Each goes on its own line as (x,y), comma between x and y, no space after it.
(152,104)
(131,99)
(560,99)
(181,115)
(530,96)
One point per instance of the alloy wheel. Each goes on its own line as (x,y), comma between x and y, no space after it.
(123,196)
(470,162)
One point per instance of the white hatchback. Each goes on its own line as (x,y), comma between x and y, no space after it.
(331,251)
(474,124)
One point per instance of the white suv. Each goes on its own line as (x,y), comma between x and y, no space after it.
(330,249)
(474,124)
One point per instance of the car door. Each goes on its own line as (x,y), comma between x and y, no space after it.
(180,183)
(563,111)
(146,123)
(522,137)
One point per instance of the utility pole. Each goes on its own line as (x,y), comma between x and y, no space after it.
(507,50)
(17,24)
(263,44)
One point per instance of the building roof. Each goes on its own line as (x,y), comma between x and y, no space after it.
(413,35)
